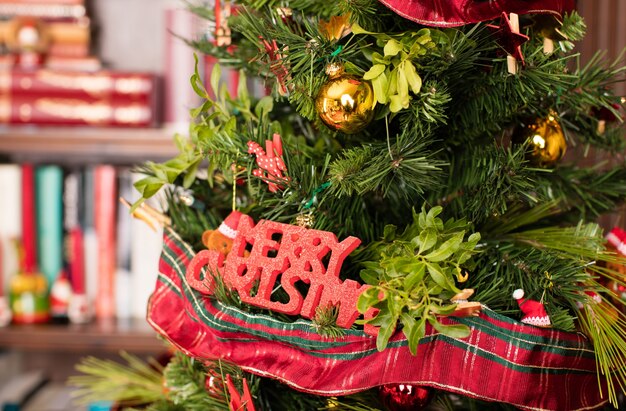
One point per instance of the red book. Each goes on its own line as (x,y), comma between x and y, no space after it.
(105,191)
(44,9)
(68,50)
(29,228)
(48,2)
(98,84)
(43,110)
(68,63)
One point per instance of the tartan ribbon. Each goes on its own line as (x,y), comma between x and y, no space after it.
(502,360)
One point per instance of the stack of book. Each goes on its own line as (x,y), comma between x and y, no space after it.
(49,77)
(83,233)
(54,33)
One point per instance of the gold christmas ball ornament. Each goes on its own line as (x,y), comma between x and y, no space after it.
(545,139)
(345,102)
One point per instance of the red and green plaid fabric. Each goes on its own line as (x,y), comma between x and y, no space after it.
(502,360)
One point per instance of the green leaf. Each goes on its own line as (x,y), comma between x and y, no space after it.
(216,75)
(368,298)
(421,218)
(192,170)
(453,331)
(396,103)
(440,278)
(386,330)
(446,249)
(403,265)
(392,48)
(416,276)
(264,106)
(389,232)
(380,86)
(375,71)
(431,220)
(370,276)
(403,87)
(148,186)
(196,81)
(413,332)
(415,81)
(427,239)
(357,29)
(242,90)
(442,309)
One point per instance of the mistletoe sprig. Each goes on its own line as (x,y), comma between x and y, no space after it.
(415,277)
(394,73)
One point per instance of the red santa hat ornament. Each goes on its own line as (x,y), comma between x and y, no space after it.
(230,224)
(534,311)
(617,238)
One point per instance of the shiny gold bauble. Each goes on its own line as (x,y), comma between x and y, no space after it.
(345,102)
(545,139)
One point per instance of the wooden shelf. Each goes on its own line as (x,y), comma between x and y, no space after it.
(132,336)
(86,144)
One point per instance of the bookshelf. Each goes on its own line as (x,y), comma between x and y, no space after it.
(134,336)
(127,37)
(86,144)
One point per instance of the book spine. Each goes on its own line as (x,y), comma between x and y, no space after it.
(80,85)
(146,248)
(49,206)
(179,62)
(124,242)
(74,254)
(115,112)
(29,228)
(42,9)
(105,218)
(90,236)
(44,2)
(10,220)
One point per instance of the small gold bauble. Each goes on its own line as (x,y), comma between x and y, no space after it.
(546,141)
(305,220)
(345,102)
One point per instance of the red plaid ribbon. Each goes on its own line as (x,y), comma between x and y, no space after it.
(502,360)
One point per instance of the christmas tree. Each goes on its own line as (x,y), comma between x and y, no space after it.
(406,220)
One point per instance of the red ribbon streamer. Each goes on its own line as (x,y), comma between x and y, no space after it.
(502,360)
(452,13)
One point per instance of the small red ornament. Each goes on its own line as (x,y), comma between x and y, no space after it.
(534,313)
(405,397)
(270,162)
(509,37)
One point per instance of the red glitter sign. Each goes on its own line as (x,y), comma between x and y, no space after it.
(282,254)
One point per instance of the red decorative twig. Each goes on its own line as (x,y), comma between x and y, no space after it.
(270,162)
(277,65)
(239,402)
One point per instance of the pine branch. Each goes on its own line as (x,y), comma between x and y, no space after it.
(483,181)
(591,191)
(406,168)
(134,383)
(588,95)
(489,102)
